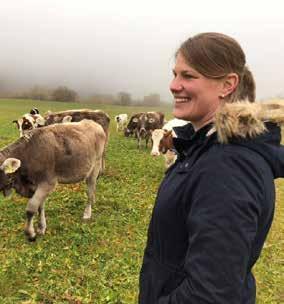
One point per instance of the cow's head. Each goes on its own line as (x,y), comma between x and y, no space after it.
(142,125)
(132,125)
(11,177)
(127,132)
(162,141)
(157,136)
(28,122)
(147,123)
(7,174)
(166,143)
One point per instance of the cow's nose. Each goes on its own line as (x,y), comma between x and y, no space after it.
(155,153)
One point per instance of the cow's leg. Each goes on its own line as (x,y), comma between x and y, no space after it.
(91,190)
(42,221)
(103,165)
(139,140)
(147,138)
(33,207)
(103,159)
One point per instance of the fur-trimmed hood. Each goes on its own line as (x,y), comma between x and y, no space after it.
(256,126)
(246,120)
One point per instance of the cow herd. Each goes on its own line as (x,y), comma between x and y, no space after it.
(69,147)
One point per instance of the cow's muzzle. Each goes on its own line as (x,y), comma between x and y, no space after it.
(143,132)
(155,153)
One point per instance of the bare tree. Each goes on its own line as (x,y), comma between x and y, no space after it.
(152,100)
(63,93)
(124,98)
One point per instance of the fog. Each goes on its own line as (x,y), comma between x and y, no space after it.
(106,46)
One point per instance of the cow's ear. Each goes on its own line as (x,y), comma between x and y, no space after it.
(67,118)
(10,165)
(168,133)
(34,111)
(40,120)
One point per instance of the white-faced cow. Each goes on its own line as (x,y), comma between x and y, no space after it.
(163,140)
(60,153)
(121,121)
(165,145)
(147,123)
(29,121)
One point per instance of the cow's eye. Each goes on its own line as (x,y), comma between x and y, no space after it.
(135,120)
(151,120)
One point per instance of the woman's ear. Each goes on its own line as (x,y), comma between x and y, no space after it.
(230,84)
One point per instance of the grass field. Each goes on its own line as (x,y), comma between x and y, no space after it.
(99,261)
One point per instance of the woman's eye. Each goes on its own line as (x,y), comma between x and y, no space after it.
(187,76)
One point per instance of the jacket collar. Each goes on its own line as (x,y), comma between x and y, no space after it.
(187,137)
(187,132)
(233,122)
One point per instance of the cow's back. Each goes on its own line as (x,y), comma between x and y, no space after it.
(65,152)
(77,115)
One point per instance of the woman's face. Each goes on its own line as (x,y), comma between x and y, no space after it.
(196,98)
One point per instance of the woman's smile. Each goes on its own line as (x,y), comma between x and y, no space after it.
(179,100)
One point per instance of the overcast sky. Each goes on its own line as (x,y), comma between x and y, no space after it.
(109,46)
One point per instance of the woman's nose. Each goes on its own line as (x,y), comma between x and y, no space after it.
(176,85)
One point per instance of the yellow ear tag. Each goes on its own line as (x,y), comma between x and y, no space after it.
(9,169)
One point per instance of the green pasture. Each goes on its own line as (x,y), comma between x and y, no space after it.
(99,261)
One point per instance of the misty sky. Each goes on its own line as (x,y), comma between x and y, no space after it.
(110,46)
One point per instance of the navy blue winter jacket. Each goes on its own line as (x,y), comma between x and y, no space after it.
(212,214)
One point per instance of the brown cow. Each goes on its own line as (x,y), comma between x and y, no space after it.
(35,120)
(163,143)
(148,122)
(64,116)
(132,125)
(98,116)
(77,115)
(163,140)
(60,153)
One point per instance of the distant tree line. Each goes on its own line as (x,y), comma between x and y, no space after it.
(65,94)
(60,93)
(125,99)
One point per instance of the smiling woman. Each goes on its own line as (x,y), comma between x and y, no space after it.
(215,206)
(205,75)
(196,97)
